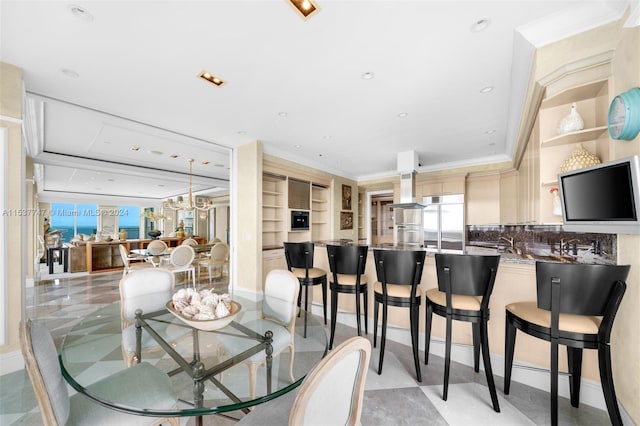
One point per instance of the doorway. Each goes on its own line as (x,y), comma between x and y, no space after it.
(381,218)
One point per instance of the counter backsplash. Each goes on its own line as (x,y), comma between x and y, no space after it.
(544,242)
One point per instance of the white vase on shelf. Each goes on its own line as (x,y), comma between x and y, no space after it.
(572,122)
(557,208)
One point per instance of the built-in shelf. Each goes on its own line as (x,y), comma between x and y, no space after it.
(584,135)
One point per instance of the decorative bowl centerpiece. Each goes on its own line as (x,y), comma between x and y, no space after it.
(203,310)
(154,233)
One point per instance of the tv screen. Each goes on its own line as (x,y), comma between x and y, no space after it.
(603,198)
(601,194)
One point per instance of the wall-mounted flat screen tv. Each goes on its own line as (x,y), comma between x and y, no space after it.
(603,198)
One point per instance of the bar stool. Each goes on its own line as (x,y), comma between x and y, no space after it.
(399,273)
(347,264)
(465,283)
(576,305)
(63,257)
(300,261)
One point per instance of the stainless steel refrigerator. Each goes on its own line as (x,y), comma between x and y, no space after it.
(444,223)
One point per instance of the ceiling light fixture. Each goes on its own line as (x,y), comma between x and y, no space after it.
(490,131)
(480,25)
(367,75)
(70,73)
(486,89)
(210,78)
(181,204)
(135,148)
(173,156)
(282,114)
(305,8)
(402,114)
(81,13)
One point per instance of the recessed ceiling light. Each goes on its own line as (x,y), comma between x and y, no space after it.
(81,13)
(208,77)
(304,7)
(486,89)
(111,180)
(490,131)
(402,114)
(480,25)
(219,165)
(135,148)
(242,132)
(367,76)
(173,156)
(282,114)
(327,137)
(161,185)
(155,152)
(492,144)
(297,146)
(70,73)
(205,162)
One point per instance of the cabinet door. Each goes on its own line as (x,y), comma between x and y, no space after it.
(483,200)
(509,199)
(432,188)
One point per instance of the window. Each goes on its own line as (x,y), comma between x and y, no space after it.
(129,220)
(73,219)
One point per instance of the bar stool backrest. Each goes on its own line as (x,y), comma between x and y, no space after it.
(584,289)
(470,274)
(399,266)
(347,260)
(299,255)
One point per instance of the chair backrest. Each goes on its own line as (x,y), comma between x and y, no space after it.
(41,248)
(333,392)
(470,275)
(148,289)
(350,260)
(399,266)
(182,256)
(156,247)
(215,240)
(299,255)
(189,242)
(124,254)
(41,362)
(220,252)
(584,289)
(281,289)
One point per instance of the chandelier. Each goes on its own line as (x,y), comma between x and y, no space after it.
(189,204)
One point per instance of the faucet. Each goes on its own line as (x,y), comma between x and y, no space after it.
(507,239)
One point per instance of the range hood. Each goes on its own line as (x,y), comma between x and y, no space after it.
(407,164)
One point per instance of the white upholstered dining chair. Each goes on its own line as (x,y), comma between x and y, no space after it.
(141,384)
(148,290)
(218,256)
(126,261)
(331,394)
(279,310)
(181,260)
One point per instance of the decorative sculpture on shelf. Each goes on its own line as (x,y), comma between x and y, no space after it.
(571,123)
(579,159)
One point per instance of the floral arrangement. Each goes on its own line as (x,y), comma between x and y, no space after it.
(553,191)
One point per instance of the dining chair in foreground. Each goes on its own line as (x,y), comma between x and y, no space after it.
(126,261)
(347,265)
(465,284)
(331,394)
(279,308)
(148,290)
(576,305)
(141,384)
(399,273)
(299,258)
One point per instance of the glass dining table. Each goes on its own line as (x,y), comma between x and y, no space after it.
(207,376)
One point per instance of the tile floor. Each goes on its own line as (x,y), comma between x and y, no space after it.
(393,398)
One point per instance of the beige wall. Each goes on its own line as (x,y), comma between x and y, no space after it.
(10,117)
(625,337)
(248,251)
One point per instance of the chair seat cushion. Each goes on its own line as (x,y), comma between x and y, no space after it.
(313,272)
(530,312)
(397,290)
(139,386)
(349,279)
(458,301)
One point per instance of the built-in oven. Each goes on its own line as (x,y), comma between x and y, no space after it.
(299,220)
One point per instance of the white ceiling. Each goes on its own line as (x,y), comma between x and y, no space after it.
(137,64)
